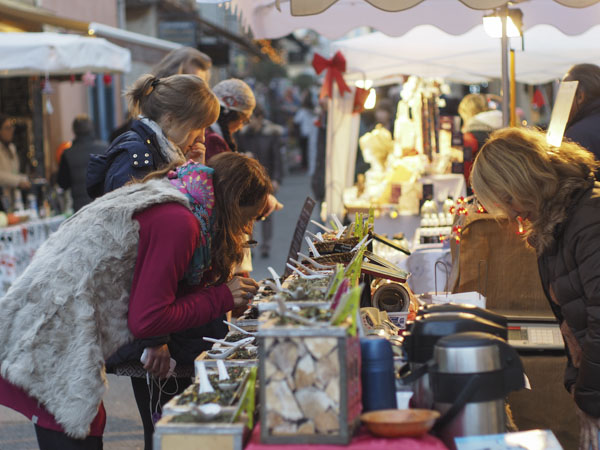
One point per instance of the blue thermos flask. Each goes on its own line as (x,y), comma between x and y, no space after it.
(377,374)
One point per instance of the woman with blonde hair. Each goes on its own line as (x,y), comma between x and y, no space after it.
(174,112)
(173,115)
(554,192)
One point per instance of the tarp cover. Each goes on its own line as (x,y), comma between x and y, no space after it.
(26,54)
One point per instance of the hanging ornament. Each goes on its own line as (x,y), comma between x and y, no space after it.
(334,68)
(107,79)
(89,79)
(360,96)
(46,86)
(49,107)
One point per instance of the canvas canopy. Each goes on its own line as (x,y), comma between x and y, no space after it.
(25,54)
(468,58)
(268,19)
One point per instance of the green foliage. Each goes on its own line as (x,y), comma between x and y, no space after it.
(304,81)
(267,70)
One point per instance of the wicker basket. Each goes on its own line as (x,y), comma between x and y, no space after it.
(334,258)
(336,246)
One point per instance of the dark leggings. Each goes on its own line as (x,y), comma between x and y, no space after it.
(57,440)
(141,391)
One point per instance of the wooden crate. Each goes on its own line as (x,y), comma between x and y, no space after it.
(194,436)
(310,385)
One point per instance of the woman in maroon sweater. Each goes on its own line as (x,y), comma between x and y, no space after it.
(190,237)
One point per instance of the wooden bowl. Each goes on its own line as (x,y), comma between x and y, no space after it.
(392,423)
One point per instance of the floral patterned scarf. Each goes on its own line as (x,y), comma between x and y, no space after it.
(195,181)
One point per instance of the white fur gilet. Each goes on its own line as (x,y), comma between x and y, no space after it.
(68,311)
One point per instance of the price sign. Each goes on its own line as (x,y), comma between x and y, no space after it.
(298,236)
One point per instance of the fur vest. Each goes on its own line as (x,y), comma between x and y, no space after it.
(67,312)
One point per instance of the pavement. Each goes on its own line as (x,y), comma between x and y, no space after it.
(124,428)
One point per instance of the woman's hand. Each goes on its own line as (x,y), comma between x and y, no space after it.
(588,430)
(158,360)
(196,152)
(242,289)
(24,183)
(272,205)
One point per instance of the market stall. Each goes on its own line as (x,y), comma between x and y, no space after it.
(301,365)
(333,19)
(467,58)
(29,61)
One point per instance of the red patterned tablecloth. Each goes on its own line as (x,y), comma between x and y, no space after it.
(362,441)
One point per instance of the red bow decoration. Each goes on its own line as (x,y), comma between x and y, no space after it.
(360,96)
(335,66)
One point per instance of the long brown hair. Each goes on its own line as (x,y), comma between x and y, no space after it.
(186,98)
(238,181)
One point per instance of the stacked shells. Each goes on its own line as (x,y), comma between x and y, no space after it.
(302,389)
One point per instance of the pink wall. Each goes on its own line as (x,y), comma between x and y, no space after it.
(103,11)
(68,99)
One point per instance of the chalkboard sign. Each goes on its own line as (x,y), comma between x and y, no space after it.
(298,237)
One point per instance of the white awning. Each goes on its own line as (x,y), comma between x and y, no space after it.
(268,19)
(472,57)
(25,54)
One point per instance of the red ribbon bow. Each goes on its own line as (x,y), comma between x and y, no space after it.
(335,66)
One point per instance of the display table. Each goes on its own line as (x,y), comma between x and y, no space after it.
(362,441)
(18,244)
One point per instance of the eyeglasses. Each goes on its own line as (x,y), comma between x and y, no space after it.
(8,126)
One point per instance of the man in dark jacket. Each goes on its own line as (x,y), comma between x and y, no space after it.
(584,121)
(262,139)
(74,161)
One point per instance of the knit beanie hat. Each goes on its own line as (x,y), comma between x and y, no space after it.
(236,95)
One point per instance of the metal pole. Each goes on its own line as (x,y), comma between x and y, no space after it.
(505,77)
(513,90)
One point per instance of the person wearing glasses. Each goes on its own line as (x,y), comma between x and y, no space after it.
(11,177)
(553,191)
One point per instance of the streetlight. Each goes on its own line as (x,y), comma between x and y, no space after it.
(492,24)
